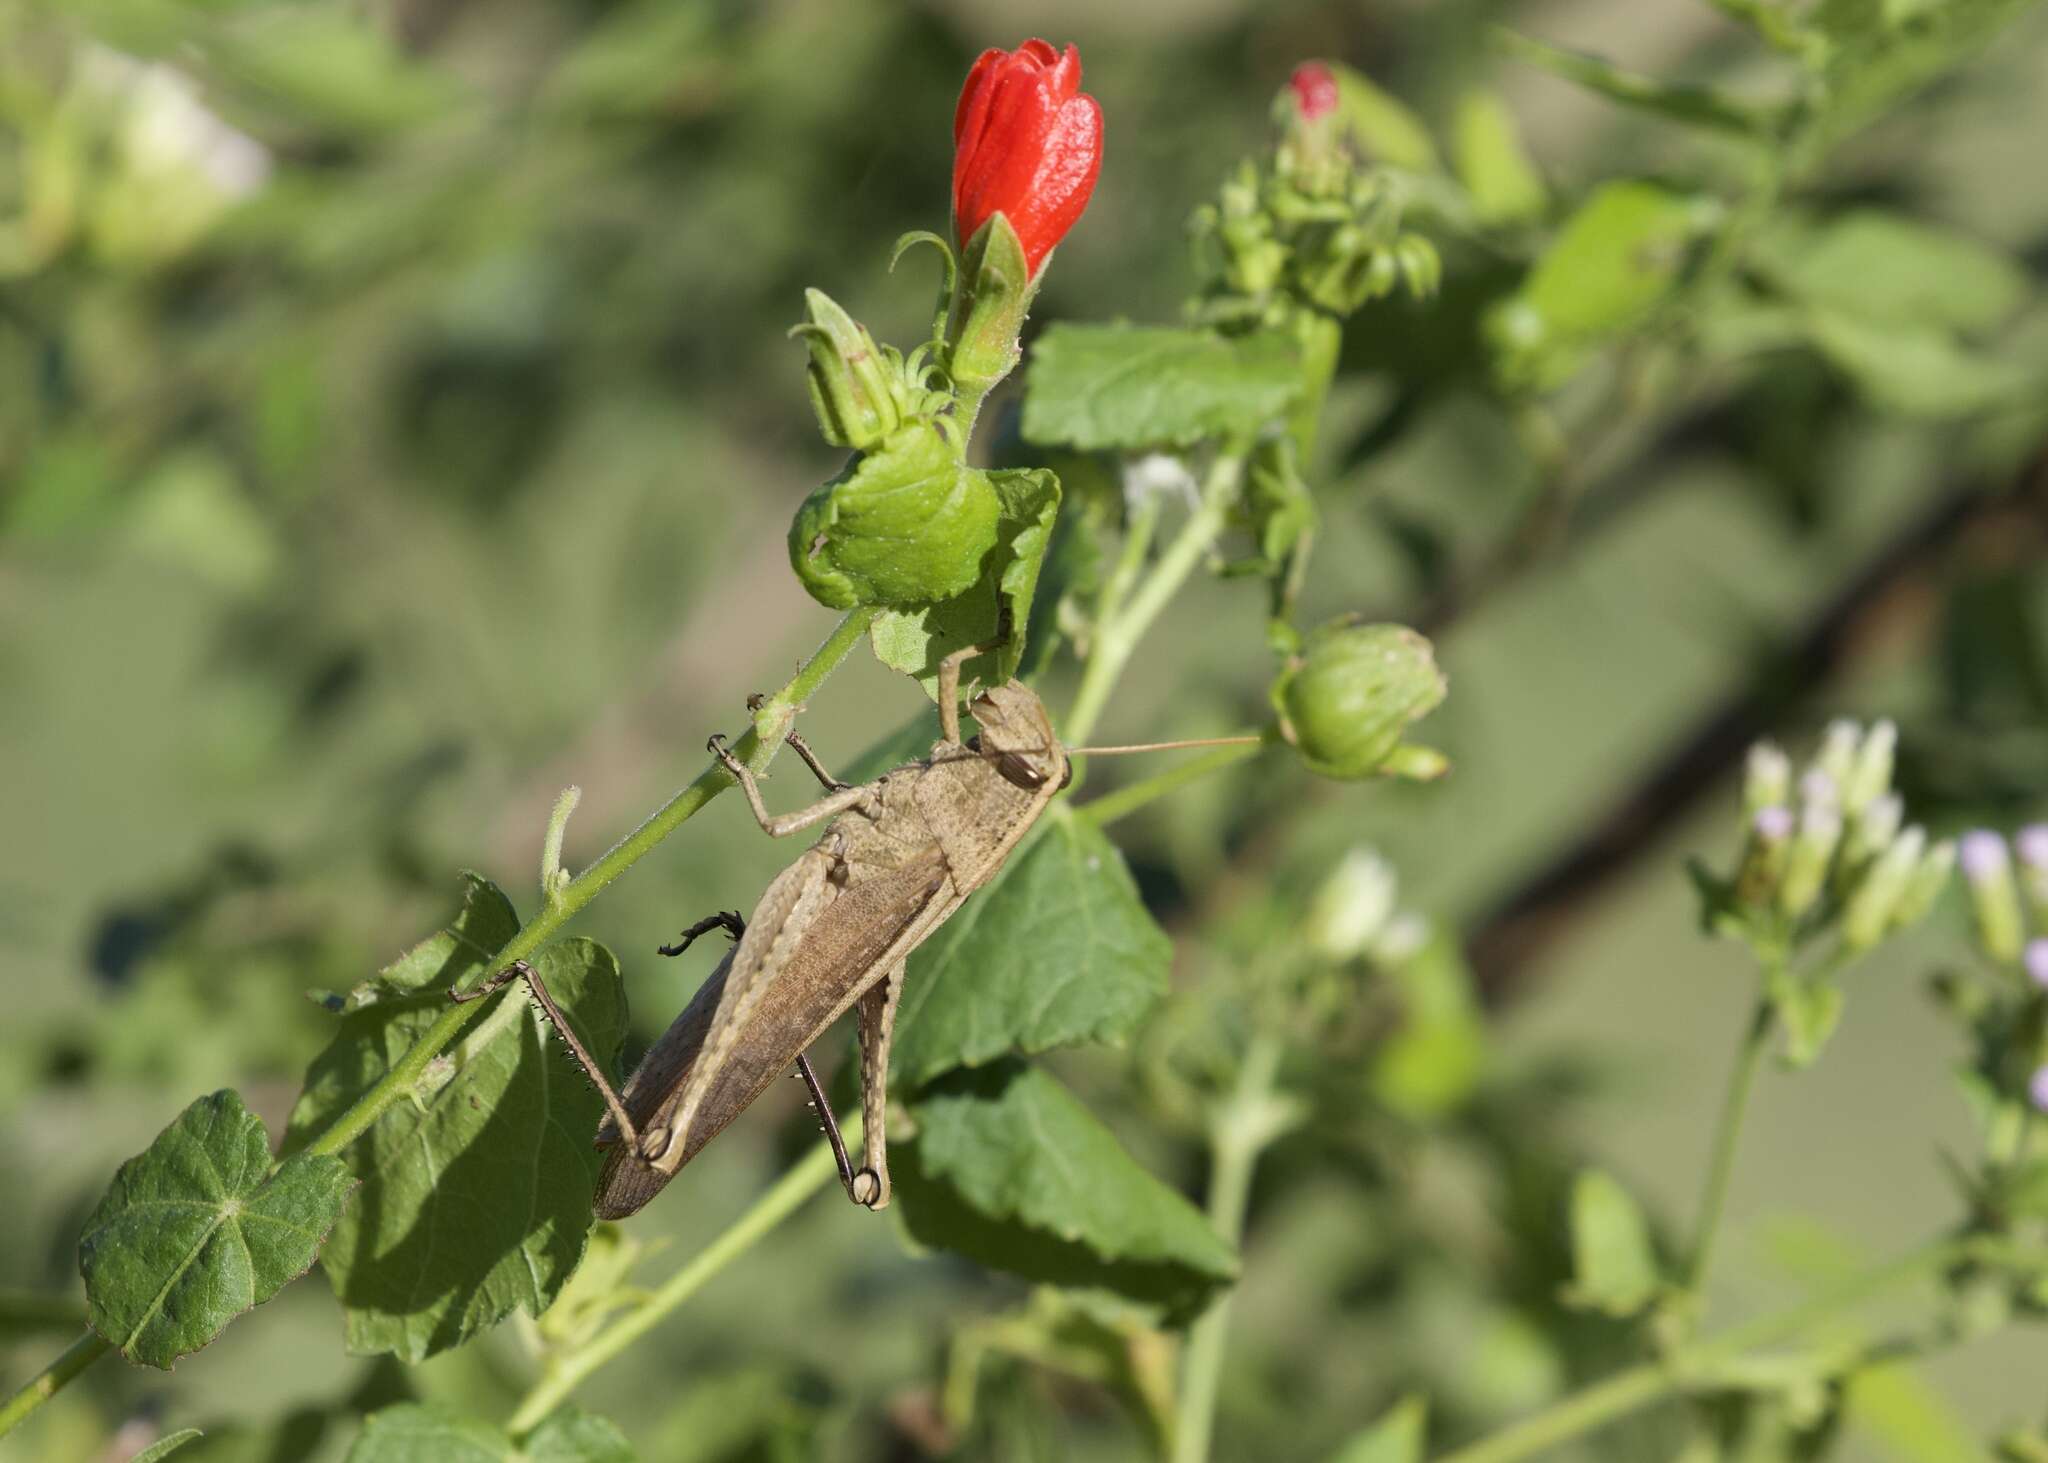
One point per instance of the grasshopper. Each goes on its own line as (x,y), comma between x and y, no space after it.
(898,856)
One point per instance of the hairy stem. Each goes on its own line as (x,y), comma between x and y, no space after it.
(1638,1386)
(47,1383)
(1727,1138)
(1240,1132)
(1118,636)
(757,749)
(566,1374)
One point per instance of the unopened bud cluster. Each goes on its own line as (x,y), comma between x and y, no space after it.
(1829,848)
(1349,696)
(2008,885)
(1318,227)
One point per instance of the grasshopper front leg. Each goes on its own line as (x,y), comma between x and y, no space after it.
(781,826)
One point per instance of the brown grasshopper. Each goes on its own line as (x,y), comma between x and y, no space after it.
(898,857)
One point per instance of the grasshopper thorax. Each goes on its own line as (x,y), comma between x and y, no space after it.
(1017,736)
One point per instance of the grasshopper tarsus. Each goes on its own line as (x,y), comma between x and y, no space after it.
(516,970)
(728,920)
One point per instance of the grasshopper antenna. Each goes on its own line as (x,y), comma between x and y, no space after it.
(1243,741)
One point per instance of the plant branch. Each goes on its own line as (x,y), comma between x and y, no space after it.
(566,1374)
(1727,1138)
(47,1383)
(1638,1386)
(757,749)
(1125,625)
(1241,1130)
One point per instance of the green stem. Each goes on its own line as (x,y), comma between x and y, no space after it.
(1638,1386)
(1240,1133)
(788,1195)
(1727,1137)
(1116,639)
(1107,809)
(79,1355)
(757,749)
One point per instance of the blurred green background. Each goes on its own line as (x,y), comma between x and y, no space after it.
(396,425)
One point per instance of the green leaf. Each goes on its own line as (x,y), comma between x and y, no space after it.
(1491,162)
(421,1432)
(916,639)
(1919,370)
(197,1229)
(477,1187)
(1057,949)
(1395,1438)
(1612,263)
(1010,1170)
(904,525)
(1878,51)
(1131,386)
(1389,130)
(1886,266)
(164,1446)
(1691,106)
(1614,1268)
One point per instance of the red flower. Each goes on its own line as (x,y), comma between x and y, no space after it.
(1315,90)
(1026,144)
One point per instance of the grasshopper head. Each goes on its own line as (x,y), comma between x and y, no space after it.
(1017,735)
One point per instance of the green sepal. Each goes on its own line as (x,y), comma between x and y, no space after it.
(915,638)
(908,241)
(991,297)
(1352,693)
(854,390)
(906,524)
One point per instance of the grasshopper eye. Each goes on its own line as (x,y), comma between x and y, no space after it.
(1066,773)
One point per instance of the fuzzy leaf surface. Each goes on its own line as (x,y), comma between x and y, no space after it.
(196,1229)
(1057,949)
(419,1432)
(476,1194)
(1011,1170)
(1133,386)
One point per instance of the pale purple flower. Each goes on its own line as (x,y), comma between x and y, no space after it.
(1773,824)
(2032,843)
(1982,854)
(2036,961)
(2037,1089)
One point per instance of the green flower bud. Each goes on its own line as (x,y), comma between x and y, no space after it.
(1767,777)
(904,525)
(1924,888)
(1813,849)
(855,388)
(1838,750)
(1871,831)
(1870,775)
(990,301)
(1875,904)
(1765,853)
(1352,692)
(1987,866)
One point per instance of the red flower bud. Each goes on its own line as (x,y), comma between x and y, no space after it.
(1026,144)
(1315,90)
